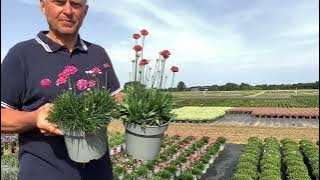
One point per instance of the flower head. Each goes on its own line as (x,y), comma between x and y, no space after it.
(91,83)
(174,69)
(165,54)
(45,83)
(136,36)
(61,81)
(144,32)
(70,70)
(95,71)
(137,48)
(106,65)
(82,84)
(63,75)
(143,62)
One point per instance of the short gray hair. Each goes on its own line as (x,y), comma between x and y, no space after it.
(83,0)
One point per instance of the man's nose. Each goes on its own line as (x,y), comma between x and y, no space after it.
(67,9)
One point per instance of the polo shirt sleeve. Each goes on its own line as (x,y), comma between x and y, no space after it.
(12,80)
(112,79)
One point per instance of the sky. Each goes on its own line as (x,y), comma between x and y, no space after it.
(211,41)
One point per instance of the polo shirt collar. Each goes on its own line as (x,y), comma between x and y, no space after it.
(51,46)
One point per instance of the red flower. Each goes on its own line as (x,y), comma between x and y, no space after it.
(106,65)
(174,69)
(61,81)
(45,83)
(165,54)
(137,48)
(82,84)
(96,71)
(144,32)
(92,83)
(136,36)
(143,62)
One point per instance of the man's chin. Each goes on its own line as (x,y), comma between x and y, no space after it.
(67,31)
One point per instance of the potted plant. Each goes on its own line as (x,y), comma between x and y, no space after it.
(146,110)
(82,112)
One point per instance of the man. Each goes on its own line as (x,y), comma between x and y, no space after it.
(25,104)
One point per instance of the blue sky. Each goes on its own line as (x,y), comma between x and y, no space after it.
(211,41)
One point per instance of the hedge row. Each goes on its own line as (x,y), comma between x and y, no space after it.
(293,160)
(270,164)
(311,152)
(247,167)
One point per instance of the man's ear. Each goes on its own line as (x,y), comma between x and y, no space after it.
(86,10)
(42,6)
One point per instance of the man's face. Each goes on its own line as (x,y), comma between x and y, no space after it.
(64,16)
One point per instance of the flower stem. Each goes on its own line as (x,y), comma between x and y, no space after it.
(106,80)
(172,79)
(162,72)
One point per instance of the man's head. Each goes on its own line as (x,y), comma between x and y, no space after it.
(64,17)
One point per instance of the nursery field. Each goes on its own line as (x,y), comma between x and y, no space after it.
(203,157)
(254,98)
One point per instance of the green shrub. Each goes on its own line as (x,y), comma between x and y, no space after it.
(242,177)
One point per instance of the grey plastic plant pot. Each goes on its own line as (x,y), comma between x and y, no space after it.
(144,143)
(83,147)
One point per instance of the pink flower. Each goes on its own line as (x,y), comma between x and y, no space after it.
(96,71)
(143,62)
(70,70)
(92,83)
(144,32)
(61,81)
(106,65)
(63,75)
(136,36)
(165,54)
(137,48)
(45,83)
(82,84)
(174,69)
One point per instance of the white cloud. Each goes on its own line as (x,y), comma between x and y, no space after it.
(263,34)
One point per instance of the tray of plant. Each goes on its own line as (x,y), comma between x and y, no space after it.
(186,158)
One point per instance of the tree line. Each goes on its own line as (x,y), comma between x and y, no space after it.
(244,86)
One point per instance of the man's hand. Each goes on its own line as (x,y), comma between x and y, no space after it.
(118,97)
(47,128)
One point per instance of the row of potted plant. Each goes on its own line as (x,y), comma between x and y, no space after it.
(197,156)
(310,151)
(167,141)
(270,164)
(116,143)
(247,167)
(124,163)
(203,161)
(185,158)
(293,160)
(9,166)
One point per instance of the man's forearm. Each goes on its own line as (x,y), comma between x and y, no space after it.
(13,121)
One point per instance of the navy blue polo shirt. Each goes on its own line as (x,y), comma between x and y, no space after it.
(25,65)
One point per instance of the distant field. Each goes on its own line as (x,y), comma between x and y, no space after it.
(254,98)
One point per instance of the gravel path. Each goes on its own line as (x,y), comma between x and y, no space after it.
(248,120)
